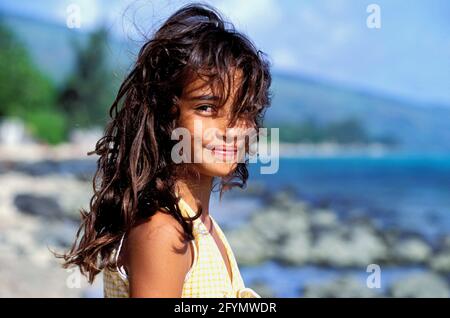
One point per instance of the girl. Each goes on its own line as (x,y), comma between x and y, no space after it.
(149,229)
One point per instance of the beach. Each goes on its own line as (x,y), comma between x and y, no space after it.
(311,230)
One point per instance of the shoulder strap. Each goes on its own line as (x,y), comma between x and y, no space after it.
(120,269)
(185,208)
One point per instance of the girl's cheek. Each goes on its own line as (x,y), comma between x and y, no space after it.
(188,122)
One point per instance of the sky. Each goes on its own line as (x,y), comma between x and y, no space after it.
(407,57)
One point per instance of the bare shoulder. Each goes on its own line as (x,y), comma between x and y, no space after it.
(161,226)
(158,257)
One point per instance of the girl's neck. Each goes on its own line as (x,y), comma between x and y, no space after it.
(199,189)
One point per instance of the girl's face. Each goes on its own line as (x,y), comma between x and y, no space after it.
(215,148)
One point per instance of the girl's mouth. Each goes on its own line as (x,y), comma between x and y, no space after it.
(222,151)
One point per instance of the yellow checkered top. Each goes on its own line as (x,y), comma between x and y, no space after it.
(207,278)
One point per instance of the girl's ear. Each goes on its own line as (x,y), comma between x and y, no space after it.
(174,112)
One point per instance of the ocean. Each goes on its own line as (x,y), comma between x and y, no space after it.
(410,192)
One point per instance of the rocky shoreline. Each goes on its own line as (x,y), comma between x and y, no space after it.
(294,234)
(39,207)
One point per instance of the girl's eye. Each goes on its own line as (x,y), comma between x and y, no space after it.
(205,109)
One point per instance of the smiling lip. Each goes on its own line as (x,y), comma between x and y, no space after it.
(223,149)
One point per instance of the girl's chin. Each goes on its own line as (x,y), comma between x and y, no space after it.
(218,169)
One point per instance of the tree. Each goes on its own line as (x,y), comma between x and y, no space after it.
(347,131)
(88,92)
(26,92)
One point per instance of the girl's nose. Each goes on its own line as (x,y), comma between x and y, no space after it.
(229,132)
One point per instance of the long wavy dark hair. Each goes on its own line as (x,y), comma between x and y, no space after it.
(135,174)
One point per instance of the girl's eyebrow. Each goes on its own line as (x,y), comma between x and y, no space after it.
(205,97)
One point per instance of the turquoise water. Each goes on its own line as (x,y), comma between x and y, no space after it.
(409,192)
(406,192)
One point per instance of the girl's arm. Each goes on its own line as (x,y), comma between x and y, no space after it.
(157,258)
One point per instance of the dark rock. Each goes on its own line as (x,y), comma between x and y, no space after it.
(42,206)
(83,169)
